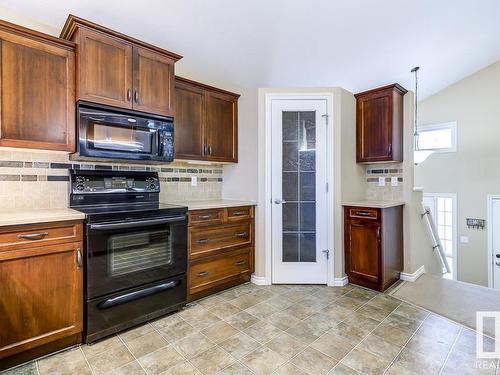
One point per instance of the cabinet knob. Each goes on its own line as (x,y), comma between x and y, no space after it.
(390,149)
(201,274)
(129,95)
(240,263)
(136,96)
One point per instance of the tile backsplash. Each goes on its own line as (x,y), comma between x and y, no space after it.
(39,179)
(387,192)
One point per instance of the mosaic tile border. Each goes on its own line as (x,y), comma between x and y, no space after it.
(67,166)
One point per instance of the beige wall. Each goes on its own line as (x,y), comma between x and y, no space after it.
(471,172)
(349,178)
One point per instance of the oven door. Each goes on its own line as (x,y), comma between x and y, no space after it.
(130,253)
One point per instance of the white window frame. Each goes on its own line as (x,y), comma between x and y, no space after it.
(452,125)
(454,224)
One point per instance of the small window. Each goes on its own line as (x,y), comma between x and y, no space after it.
(438,137)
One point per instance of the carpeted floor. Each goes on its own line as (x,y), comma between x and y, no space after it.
(455,300)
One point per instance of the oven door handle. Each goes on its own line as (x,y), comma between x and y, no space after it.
(111,302)
(137,224)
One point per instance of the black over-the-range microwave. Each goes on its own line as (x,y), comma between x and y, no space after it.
(105,132)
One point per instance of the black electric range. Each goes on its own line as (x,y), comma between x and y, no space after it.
(135,249)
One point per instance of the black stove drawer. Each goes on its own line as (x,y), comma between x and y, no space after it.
(119,311)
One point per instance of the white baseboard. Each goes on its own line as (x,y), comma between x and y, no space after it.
(258,280)
(412,277)
(340,281)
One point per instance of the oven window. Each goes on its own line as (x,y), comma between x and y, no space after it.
(120,138)
(138,251)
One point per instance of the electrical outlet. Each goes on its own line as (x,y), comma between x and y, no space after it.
(194,181)
(464,239)
(381,181)
(394,181)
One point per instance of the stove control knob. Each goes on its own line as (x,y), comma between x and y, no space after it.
(80,187)
(79,179)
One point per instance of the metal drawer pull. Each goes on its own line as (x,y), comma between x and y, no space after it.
(363,213)
(201,274)
(33,236)
(204,217)
(238,213)
(129,297)
(78,259)
(240,263)
(241,234)
(202,241)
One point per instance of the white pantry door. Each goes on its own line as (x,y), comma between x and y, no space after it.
(299,191)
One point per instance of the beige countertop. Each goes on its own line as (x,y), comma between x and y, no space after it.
(33,216)
(373,204)
(207,204)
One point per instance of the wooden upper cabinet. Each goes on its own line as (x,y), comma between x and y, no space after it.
(221,127)
(37,90)
(117,70)
(153,82)
(206,122)
(104,69)
(189,121)
(379,125)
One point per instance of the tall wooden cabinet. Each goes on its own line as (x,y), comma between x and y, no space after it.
(379,125)
(373,245)
(37,88)
(41,289)
(117,70)
(206,122)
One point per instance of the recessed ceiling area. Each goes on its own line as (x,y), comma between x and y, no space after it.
(355,44)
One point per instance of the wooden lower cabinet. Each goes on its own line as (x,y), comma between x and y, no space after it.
(221,249)
(41,288)
(373,245)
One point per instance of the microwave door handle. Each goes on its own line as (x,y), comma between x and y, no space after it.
(137,224)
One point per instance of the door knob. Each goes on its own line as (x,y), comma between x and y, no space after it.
(279,201)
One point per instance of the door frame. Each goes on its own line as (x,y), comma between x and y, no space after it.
(269,98)
(489,218)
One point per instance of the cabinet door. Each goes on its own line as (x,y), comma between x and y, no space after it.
(374,127)
(153,82)
(37,94)
(221,127)
(41,296)
(104,69)
(189,121)
(363,251)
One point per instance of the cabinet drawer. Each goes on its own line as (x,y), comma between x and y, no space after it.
(364,213)
(33,235)
(202,241)
(203,217)
(215,271)
(239,213)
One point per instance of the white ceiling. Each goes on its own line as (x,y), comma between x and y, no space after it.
(355,44)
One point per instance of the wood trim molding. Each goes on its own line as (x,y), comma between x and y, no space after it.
(412,277)
(73,22)
(33,34)
(258,280)
(394,86)
(340,281)
(205,86)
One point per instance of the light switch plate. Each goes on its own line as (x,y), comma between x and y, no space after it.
(194,180)
(394,181)
(464,239)
(381,181)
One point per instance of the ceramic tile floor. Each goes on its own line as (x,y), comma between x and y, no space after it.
(282,330)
